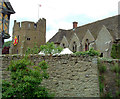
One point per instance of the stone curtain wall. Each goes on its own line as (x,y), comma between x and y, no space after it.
(70,76)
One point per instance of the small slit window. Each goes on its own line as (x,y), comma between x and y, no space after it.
(35,26)
(18,38)
(20,25)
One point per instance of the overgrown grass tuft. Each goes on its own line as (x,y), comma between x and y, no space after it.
(102,68)
(101,85)
(108,95)
(116,68)
(91,52)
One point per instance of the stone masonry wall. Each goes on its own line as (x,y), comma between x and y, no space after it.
(70,76)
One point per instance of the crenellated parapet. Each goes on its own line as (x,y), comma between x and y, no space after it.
(27,25)
(41,25)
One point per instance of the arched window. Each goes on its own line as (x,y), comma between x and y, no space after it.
(63,45)
(87,45)
(74,46)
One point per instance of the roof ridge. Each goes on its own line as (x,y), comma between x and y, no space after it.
(97,21)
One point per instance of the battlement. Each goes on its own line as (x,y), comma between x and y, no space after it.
(28,25)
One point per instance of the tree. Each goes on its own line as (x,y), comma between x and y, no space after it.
(25,82)
(7,44)
(34,50)
(50,48)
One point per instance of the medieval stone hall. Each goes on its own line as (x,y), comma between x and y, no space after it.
(99,35)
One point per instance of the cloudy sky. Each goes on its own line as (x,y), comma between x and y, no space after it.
(60,14)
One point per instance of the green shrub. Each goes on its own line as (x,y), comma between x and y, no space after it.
(108,95)
(7,44)
(116,68)
(91,52)
(34,50)
(50,48)
(26,82)
(80,53)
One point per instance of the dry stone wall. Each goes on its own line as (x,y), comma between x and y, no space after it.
(70,76)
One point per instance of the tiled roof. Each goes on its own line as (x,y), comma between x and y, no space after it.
(110,23)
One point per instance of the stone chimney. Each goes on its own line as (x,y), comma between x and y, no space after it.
(75,25)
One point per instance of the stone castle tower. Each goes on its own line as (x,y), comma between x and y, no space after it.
(28,33)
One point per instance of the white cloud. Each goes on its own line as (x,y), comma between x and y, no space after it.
(56,12)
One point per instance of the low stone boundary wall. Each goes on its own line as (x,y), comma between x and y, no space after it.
(69,75)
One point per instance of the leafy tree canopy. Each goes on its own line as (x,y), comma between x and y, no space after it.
(50,48)
(7,44)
